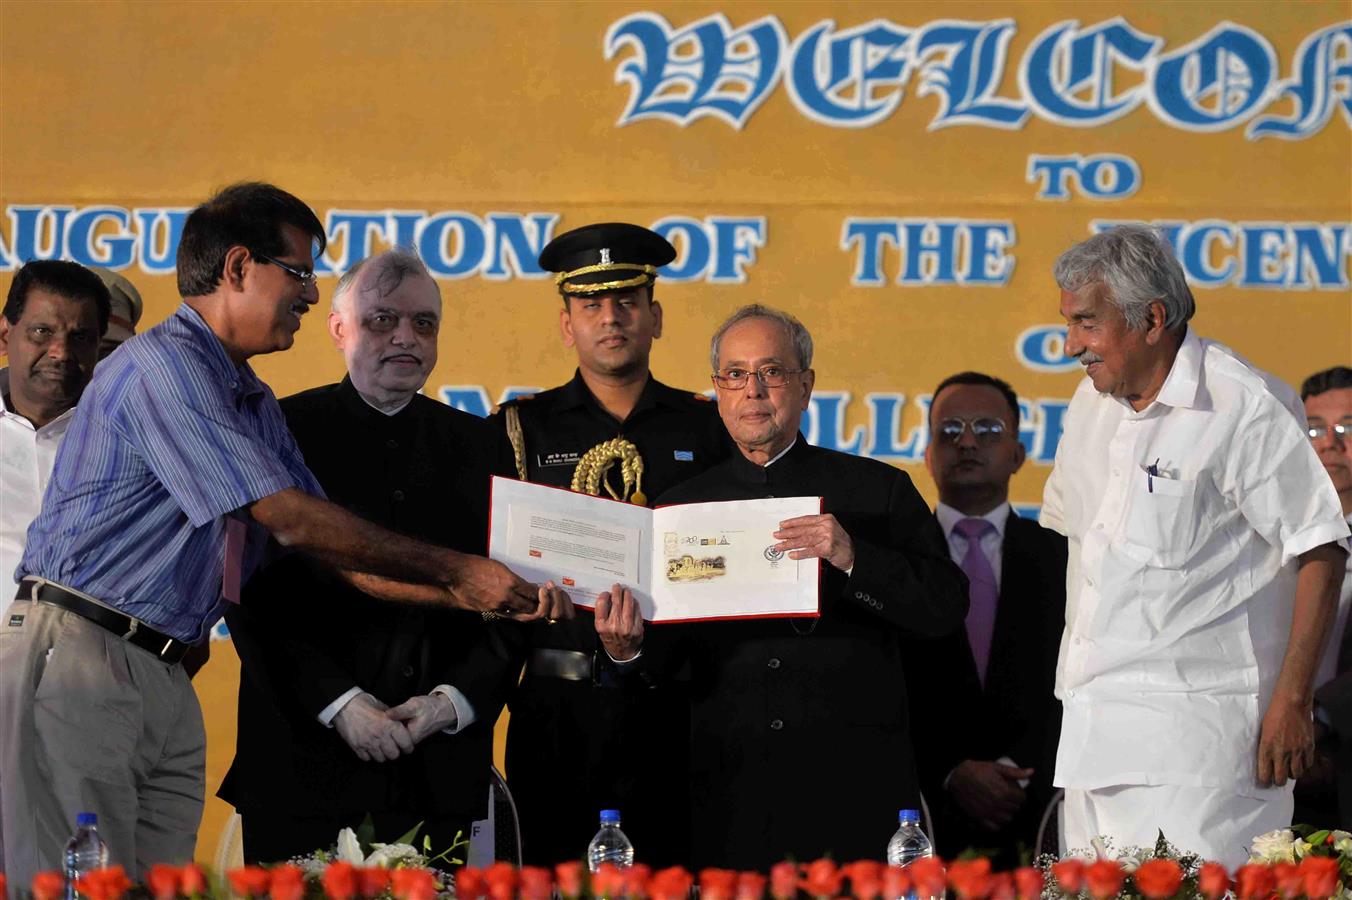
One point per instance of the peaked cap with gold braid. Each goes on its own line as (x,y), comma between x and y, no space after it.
(608,256)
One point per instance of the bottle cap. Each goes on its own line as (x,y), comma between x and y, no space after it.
(909,816)
(610,817)
(84,819)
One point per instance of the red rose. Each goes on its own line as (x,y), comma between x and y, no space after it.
(413,884)
(194,880)
(671,884)
(1069,875)
(1158,879)
(750,886)
(164,881)
(1002,886)
(822,878)
(717,884)
(339,881)
(536,883)
(1213,881)
(896,881)
(1104,878)
(249,881)
(607,881)
(784,881)
(866,878)
(469,884)
(371,882)
(104,884)
(970,878)
(1028,883)
(48,886)
(288,883)
(1288,879)
(1319,875)
(501,878)
(1254,881)
(569,876)
(927,876)
(636,879)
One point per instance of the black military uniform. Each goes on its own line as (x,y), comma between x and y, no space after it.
(580,739)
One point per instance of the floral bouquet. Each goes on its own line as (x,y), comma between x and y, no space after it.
(1302,852)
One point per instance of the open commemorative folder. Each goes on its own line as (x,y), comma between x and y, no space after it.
(697,561)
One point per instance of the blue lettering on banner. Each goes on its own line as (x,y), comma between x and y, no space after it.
(1070,75)
(852,79)
(499,246)
(1100,176)
(1215,82)
(705,69)
(1274,255)
(473,398)
(1042,348)
(1321,79)
(932,251)
(892,432)
(717,249)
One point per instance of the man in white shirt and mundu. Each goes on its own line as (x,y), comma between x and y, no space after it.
(1206,553)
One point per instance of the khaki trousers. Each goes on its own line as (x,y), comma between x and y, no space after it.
(89,723)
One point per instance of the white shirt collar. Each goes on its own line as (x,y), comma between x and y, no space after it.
(780,454)
(1182,388)
(949,517)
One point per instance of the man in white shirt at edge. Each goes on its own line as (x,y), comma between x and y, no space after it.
(1206,554)
(54,315)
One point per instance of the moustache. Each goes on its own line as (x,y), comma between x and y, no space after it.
(1088,359)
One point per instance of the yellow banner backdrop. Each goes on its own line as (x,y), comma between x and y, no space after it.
(901,182)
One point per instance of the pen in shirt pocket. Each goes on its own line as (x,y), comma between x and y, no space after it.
(1152,472)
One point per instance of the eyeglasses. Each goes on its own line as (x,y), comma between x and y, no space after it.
(986,431)
(306,279)
(768,376)
(1341,429)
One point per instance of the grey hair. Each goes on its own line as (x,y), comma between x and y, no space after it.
(1138,266)
(797,332)
(390,268)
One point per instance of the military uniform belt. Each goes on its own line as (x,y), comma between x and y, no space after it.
(570,665)
(130,629)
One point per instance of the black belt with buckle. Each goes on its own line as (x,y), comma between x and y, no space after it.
(130,629)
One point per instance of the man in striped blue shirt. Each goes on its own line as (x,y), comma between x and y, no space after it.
(176,469)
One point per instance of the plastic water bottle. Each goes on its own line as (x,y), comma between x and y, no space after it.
(610,845)
(85,851)
(909,843)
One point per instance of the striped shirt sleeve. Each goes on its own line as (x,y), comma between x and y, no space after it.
(187,427)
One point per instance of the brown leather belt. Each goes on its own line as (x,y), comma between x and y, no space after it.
(570,665)
(128,628)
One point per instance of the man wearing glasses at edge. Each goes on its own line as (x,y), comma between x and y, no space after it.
(1206,551)
(177,468)
(1326,799)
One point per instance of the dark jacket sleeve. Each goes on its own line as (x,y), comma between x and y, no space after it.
(910,580)
(272,630)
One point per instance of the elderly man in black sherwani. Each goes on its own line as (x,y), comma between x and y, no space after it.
(800,739)
(349,706)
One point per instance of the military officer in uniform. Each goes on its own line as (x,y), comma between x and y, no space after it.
(616,431)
